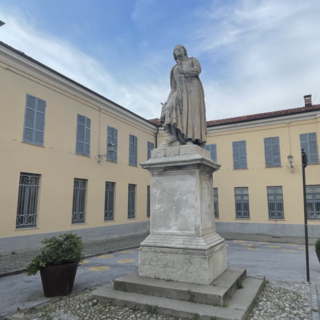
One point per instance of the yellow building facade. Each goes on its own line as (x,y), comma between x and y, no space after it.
(69,161)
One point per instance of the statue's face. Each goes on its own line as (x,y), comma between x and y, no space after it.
(179,52)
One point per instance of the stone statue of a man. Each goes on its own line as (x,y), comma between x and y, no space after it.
(183,115)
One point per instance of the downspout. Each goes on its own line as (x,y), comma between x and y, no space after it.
(156,137)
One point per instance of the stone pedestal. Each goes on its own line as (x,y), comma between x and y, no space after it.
(183,244)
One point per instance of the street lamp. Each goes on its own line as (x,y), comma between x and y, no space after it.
(290,159)
(2,23)
(110,150)
(304,162)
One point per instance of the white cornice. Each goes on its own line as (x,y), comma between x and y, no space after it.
(265,122)
(20,63)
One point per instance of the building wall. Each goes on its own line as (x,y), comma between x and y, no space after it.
(257,177)
(58,164)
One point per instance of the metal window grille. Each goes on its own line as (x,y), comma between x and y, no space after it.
(131,200)
(216,202)
(275,203)
(272,152)
(212,148)
(150,147)
(79,201)
(148,201)
(308,142)
(112,138)
(133,150)
(313,202)
(27,201)
(109,201)
(239,155)
(34,120)
(242,203)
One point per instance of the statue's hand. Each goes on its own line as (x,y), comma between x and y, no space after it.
(180,70)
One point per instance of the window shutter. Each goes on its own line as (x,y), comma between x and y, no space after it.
(212,148)
(80,134)
(268,151)
(243,155)
(313,148)
(115,142)
(29,120)
(135,150)
(87,137)
(150,147)
(131,150)
(33,130)
(40,117)
(236,155)
(109,140)
(304,143)
(276,151)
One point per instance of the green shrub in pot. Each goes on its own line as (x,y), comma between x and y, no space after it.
(65,249)
(317,245)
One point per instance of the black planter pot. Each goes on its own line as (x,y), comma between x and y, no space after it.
(318,254)
(58,280)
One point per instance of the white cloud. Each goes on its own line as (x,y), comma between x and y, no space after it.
(266,53)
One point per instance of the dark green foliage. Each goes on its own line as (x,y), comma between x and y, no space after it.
(151,309)
(64,249)
(317,244)
(239,284)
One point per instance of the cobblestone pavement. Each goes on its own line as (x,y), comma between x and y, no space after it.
(278,261)
(11,263)
(279,300)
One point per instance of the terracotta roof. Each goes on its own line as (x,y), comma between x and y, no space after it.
(22,54)
(252,117)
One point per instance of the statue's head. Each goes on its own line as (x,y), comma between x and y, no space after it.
(178,49)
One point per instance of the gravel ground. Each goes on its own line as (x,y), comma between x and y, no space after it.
(11,263)
(278,300)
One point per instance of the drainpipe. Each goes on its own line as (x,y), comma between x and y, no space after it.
(156,137)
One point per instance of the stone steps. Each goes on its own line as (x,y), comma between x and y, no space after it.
(215,294)
(237,308)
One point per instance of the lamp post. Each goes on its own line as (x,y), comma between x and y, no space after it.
(304,160)
(110,149)
(290,159)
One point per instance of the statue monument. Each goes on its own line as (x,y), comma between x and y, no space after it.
(183,244)
(182,263)
(183,115)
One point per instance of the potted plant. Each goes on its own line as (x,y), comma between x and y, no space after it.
(58,263)
(317,245)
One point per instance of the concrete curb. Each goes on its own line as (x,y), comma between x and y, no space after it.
(314,302)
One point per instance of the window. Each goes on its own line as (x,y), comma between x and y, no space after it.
(79,201)
(133,150)
(239,155)
(27,201)
(313,202)
(242,203)
(216,202)
(272,152)
(83,135)
(150,147)
(131,201)
(148,201)
(34,117)
(112,134)
(109,201)
(212,148)
(275,203)
(308,142)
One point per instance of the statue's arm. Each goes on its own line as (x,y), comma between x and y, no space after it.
(195,70)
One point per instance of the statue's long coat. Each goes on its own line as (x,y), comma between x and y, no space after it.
(188,110)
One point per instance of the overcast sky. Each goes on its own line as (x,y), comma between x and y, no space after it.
(256,55)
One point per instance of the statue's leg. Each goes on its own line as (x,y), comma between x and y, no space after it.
(172,134)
